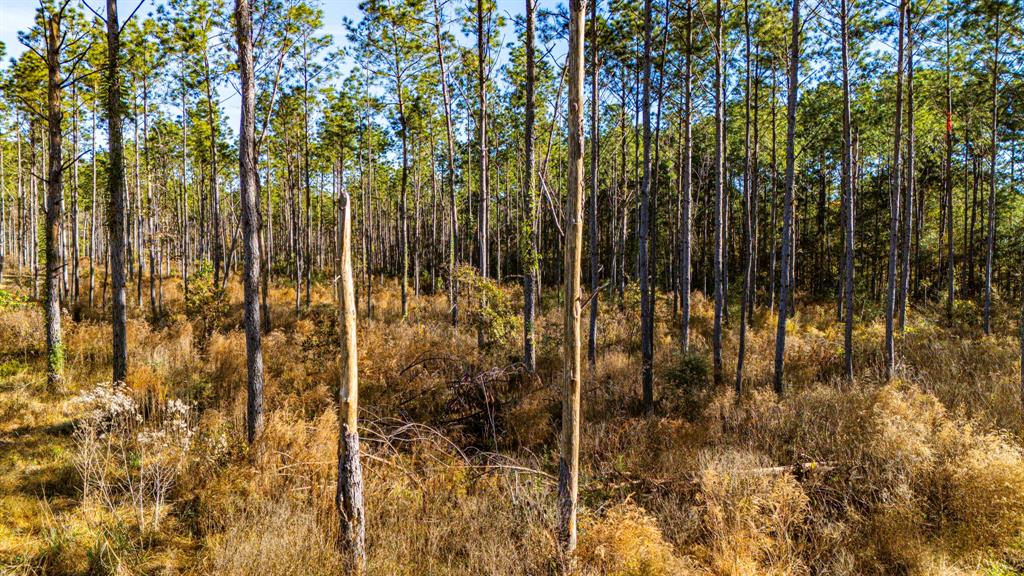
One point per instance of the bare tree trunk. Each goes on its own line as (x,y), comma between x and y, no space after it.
(93,204)
(403,220)
(184,190)
(453,292)
(75,288)
(719,194)
(595,155)
(755,189)
(482,223)
(569,445)
(529,236)
(686,219)
(773,265)
(646,296)
(847,185)
(3,210)
(990,242)
(151,202)
(115,187)
(894,206)
(54,35)
(349,495)
(748,233)
(266,250)
(33,213)
(787,210)
(908,207)
(304,242)
(217,247)
(250,223)
(948,178)
(137,231)
(433,216)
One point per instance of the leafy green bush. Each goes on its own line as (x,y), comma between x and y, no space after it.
(489,308)
(689,382)
(206,304)
(9,300)
(965,312)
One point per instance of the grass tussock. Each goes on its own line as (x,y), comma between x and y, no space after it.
(627,541)
(921,476)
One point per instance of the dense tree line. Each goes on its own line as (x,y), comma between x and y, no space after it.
(751,150)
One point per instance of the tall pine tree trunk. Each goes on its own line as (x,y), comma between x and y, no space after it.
(990,241)
(947,183)
(116,191)
(646,296)
(529,236)
(748,233)
(54,197)
(847,186)
(403,220)
(686,218)
(250,223)
(485,198)
(595,156)
(719,207)
(569,445)
(894,205)
(349,495)
(908,207)
(787,206)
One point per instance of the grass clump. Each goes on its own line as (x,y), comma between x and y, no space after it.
(921,476)
(626,541)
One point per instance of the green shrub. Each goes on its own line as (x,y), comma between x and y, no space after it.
(965,312)
(490,309)
(689,384)
(9,300)
(206,304)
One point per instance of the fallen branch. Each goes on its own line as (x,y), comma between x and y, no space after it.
(800,471)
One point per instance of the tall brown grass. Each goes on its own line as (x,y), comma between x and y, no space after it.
(921,476)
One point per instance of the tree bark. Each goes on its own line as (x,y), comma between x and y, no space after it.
(116,190)
(529,236)
(686,219)
(3,212)
(787,210)
(349,495)
(75,288)
(908,207)
(482,222)
(54,197)
(93,204)
(948,179)
(847,185)
(250,223)
(403,220)
(990,242)
(453,291)
(719,208)
(646,296)
(748,234)
(595,155)
(569,445)
(894,205)
(306,248)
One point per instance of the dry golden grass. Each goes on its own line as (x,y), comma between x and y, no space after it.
(921,476)
(626,541)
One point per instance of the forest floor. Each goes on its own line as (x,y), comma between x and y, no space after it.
(924,475)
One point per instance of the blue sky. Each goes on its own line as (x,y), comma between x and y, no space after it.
(17,15)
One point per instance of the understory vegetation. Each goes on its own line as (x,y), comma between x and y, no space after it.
(924,475)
